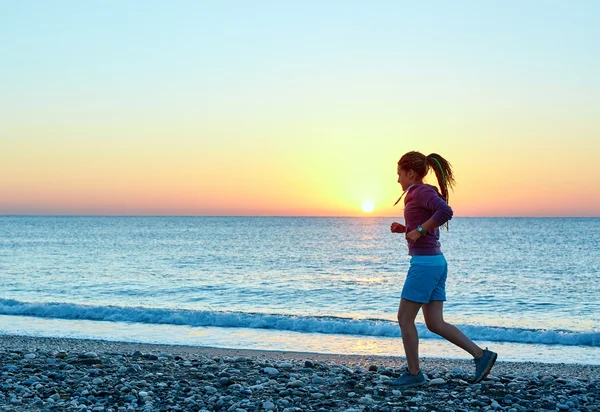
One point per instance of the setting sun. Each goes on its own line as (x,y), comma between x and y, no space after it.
(368,205)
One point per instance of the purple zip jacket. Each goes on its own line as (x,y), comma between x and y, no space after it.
(421,203)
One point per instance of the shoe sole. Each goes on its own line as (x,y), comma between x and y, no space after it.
(487,371)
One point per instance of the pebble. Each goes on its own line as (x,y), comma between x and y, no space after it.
(125,380)
(89,355)
(316,380)
(268,405)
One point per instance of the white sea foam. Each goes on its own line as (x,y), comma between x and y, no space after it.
(325,324)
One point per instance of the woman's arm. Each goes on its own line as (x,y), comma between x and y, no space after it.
(397,228)
(414,235)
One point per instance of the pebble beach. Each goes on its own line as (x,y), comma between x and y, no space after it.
(57,374)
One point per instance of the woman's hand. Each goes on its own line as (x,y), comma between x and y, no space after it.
(397,228)
(413,236)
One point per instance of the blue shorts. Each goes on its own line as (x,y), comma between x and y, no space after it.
(426,279)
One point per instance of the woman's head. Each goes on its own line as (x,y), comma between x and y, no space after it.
(414,166)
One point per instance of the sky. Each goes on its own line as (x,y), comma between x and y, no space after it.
(296,108)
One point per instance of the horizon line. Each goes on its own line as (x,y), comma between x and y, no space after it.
(296,216)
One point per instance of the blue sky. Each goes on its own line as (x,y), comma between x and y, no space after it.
(319,85)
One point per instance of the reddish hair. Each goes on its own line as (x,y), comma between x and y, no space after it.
(420,163)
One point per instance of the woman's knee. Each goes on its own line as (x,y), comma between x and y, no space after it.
(405,319)
(400,318)
(435,326)
(407,312)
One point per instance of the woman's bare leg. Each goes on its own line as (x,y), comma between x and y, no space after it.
(434,318)
(407,312)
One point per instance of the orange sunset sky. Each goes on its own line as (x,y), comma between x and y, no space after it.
(298,108)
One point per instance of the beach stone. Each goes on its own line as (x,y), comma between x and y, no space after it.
(134,367)
(271,371)
(366,400)
(210,389)
(94,372)
(317,380)
(87,361)
(436,373)
(225,381)
(268,405)
(415,400)
(71,385)
(384,378)
(30,356)
(32,380)
(385,372)
(296,384)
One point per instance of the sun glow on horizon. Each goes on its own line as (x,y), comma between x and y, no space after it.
(296,111)
(368,206)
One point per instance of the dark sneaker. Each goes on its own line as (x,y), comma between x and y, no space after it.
(408,380)
(483,365)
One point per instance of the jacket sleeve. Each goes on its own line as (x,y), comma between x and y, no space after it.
(434,202)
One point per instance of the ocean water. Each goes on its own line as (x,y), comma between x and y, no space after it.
(527,288)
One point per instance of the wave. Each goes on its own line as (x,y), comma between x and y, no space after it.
(306,324)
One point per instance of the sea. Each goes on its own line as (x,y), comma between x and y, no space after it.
(527,288)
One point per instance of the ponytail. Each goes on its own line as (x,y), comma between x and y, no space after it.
(443,172)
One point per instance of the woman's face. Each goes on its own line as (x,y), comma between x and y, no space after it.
(406,177)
